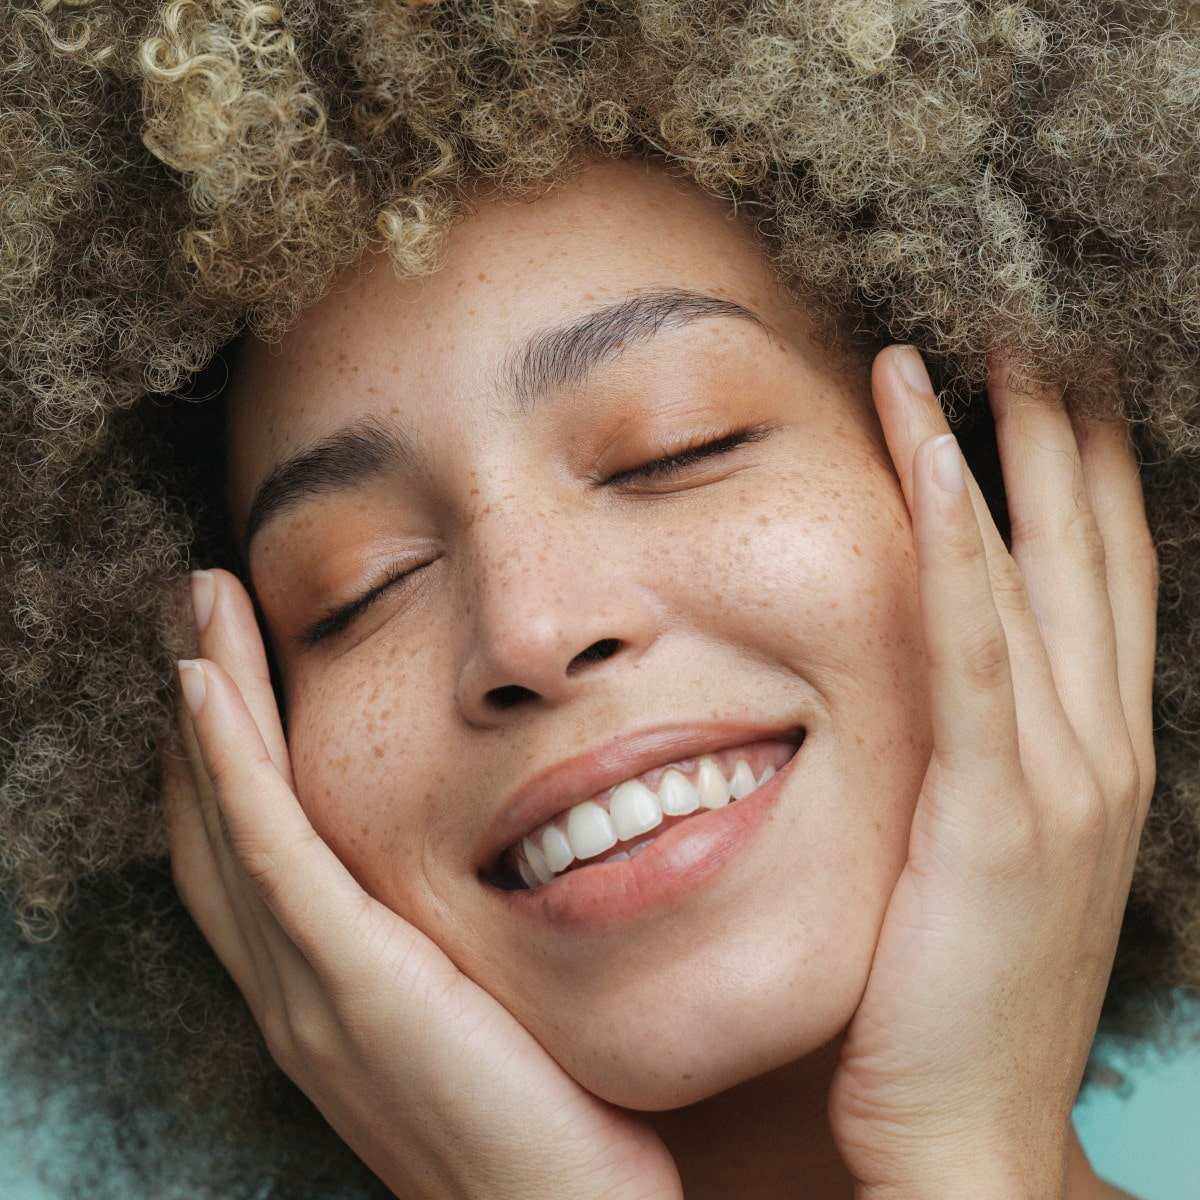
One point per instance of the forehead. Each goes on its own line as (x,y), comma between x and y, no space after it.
(380,343)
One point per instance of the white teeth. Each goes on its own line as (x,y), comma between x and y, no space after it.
(557,849)
(634,809)
(710,783)
(742,783)
(589,830)
(537,861)
(677,795)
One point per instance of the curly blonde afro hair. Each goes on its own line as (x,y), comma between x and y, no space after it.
(175,176)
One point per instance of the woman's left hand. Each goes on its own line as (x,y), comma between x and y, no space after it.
(961,1065)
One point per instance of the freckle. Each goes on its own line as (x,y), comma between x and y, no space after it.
(470,312)
(856,550)
(372,391)
(378,754)
(482,277)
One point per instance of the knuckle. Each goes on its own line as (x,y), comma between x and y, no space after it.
(1009,589)
(267,864)
(1029,531)
(309,1037)
(1047,533)
(1134,787)
(1123,770)
(1017,844)
(1084,817)
(221,774)
(276,1032)
(961,546)
(1083,531)
(259,864)
(983,659)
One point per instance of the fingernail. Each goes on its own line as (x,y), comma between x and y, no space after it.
(947,464)
(204,591)
(191,680)
(912,371)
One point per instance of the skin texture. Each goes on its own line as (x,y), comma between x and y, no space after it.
(1022,178)
(721,1019)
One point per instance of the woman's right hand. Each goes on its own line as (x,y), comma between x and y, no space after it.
(425,1075)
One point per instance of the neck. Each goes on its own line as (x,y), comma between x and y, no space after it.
(761,1139)
(766,1137)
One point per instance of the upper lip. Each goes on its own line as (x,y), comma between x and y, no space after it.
(573,780)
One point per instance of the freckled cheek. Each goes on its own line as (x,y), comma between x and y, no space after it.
(367,772)
(787,561)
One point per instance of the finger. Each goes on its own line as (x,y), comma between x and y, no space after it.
(973,707)
(911,415)
(196,872)
(229,635)
(1058,545)
(317,902)
(1113,479)
(262,985)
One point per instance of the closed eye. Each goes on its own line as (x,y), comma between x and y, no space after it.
(664,467)
(707,447)
(337,620)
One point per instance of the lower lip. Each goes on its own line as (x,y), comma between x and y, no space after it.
(603,896)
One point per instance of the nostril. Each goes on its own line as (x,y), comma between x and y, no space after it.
(596,652)
(509,696)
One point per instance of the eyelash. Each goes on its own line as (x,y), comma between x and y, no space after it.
(660,468)
(705,446)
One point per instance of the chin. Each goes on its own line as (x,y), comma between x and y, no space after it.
(677,1055)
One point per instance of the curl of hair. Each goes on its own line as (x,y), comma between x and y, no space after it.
(175,175)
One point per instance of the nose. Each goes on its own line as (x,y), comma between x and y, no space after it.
(548,616)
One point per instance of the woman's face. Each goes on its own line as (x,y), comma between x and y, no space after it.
(564,608)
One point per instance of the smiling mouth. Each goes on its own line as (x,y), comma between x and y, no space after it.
(621,821)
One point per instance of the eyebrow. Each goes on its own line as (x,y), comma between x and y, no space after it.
(558,356)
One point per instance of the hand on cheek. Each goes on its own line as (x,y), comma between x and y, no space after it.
(365,1013)
(961,1065)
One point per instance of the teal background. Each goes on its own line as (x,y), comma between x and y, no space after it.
(1146,1141)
